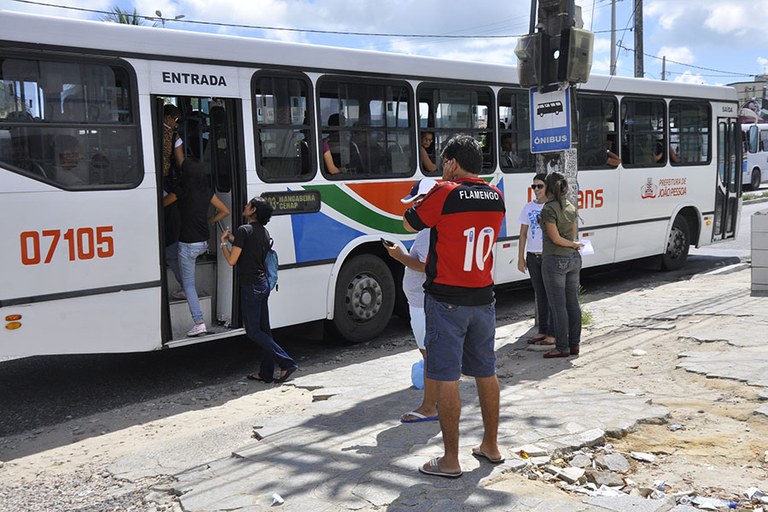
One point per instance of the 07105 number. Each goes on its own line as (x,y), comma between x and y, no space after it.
(81,243)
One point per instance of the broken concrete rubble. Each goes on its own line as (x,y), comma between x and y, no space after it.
(602,474)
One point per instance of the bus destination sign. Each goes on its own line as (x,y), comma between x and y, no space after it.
(293,201)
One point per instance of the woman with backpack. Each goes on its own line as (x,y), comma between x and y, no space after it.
(250,244)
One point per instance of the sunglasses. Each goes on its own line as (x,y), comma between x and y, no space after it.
(536,186)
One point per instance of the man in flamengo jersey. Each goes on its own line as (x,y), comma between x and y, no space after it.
(465,216)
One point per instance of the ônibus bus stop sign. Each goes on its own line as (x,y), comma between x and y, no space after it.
(550,120)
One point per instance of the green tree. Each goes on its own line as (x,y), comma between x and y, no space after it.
(124,17)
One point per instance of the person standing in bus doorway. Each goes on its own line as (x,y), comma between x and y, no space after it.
(560,267)
(194,194)
(171,161)
(413,287)
(250,245)
(173,150)
(465,215)
(529,252)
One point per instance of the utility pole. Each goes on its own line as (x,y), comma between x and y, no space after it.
(550,61)
(664,67)
(639,72)
(613,37)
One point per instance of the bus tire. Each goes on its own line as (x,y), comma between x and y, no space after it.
(678,244)
(756,180)
(364,299)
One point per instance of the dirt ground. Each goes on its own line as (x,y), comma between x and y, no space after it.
(720,451)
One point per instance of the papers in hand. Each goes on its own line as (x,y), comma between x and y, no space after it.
(586,247)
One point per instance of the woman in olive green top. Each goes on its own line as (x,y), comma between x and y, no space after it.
(560,266)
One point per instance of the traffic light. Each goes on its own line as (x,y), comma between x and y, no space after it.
(558,51)
(575,60)
(528,51)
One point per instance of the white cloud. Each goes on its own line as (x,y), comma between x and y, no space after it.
(763,63)
(690,78)
(730,18)
(669,13)
(681,54)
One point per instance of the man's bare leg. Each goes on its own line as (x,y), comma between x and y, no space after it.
(449,405)
(488,392)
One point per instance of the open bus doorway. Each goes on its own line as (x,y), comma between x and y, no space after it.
(209,129)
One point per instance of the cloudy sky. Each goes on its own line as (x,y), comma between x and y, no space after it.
(705,41)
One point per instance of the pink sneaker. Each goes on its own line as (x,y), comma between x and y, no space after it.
(197,330)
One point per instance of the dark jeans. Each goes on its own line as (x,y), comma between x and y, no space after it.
(561,280)
(543,319)
(254,298)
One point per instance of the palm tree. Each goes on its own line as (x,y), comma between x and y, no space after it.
(118,15)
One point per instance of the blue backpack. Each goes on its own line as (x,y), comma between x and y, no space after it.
(270,266)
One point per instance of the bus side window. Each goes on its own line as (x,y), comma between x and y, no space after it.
(282,130)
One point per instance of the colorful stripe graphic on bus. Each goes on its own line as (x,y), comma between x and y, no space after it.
(350,211)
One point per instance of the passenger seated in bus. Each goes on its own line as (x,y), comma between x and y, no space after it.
(194,196)
(69,170)
(373,157)
(659,152)
(611,158)
(331,145)
(426,149)
(509,160)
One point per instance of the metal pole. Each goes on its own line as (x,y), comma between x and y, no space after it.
(664,67)
(532,25)
(613,37)
(639,71)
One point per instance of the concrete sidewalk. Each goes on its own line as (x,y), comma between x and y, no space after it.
(346,450)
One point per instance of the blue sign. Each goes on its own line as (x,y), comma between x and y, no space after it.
(550,120)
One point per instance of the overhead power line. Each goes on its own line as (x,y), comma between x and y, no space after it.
(692,66)
(286,29)
(381,34)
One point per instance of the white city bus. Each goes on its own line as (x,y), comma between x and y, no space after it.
(754,154)
(82,261)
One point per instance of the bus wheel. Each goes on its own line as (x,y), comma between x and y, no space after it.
(365,298)
(756,180)
(677,246)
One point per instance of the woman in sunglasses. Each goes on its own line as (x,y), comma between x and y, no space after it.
(529,252)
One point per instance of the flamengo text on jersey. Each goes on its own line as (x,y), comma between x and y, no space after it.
(479,194)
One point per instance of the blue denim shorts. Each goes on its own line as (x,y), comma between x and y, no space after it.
(460,340)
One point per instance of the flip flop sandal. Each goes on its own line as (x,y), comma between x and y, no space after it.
(257,378)
(286,375)
(433,469)
(477,452)
(417,417)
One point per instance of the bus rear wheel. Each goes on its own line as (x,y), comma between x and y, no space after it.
(677,246)
(365,298)
(756,180)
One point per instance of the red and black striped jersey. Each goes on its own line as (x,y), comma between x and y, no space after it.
(465,218)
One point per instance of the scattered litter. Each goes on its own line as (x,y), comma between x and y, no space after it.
(599,472)
(638,352)
(643,457)
(277,499)
(676,427)
(712,503)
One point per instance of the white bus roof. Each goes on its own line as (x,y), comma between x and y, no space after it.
(169,44)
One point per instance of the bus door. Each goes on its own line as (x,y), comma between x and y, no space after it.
(209,130)
(728,186)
